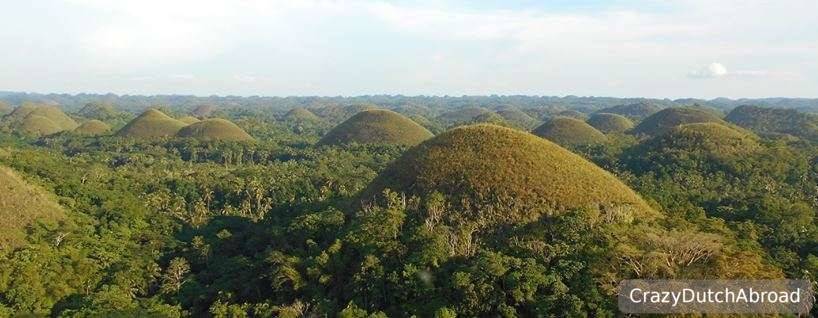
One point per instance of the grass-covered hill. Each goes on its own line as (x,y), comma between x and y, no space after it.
(21,204)
(433,126)
(635,111)
(410,110)
(572,114)
(377,127)
(666,119)
(569,132)
(93,128)
(610,123)
(707,138)
(491,166)
(188,119)
(214,129)
(5,108)
(39,120)
(100,111)
(20,112)
(301,115)
(462,115)
(151,123)
(336,114)
(56,115)
(518,118)
(490,118)
(773,121)
(202,111)
(36,125)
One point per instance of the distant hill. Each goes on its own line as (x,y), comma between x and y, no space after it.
(39,120)
(377,127)
(301,115)
(610,123)
(569,132)
(152,123)
(488,165)
(203,111)
(336,114)
(21,204)
(490,118)
(99,111)
(5,108)
(432,126)
(20,112)
(635,111)
(36,125)
(518,118)
(666,119)
(188,119)
(771,121)
(462,115)
(410,110)
(572,114)
(214,129)
(93,128)
(709,138)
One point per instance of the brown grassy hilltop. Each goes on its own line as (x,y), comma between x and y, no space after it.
(20,205)
(462,115)
(150,124)
(93,128)
(214,129)
(36,125)
(770,121)
(188,119)
(573,114)
(528,176)
(635,111)
(5,108)
(711,138)
(300,114)
(39,120)
(568,132)
(668,118)
(377,127)
(518,118)
(610,123)
(202,111)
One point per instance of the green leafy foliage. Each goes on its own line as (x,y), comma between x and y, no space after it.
(479,221)
(772,121)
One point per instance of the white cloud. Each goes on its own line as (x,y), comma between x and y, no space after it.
(357,46)
(712,70)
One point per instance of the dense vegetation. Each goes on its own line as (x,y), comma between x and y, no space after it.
(478,220)
(771,121)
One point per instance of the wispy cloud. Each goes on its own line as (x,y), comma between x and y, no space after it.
(712,70)
(356,46)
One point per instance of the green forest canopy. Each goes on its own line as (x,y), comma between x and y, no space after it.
(477,221)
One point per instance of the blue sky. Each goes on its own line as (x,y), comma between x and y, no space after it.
(684,48)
